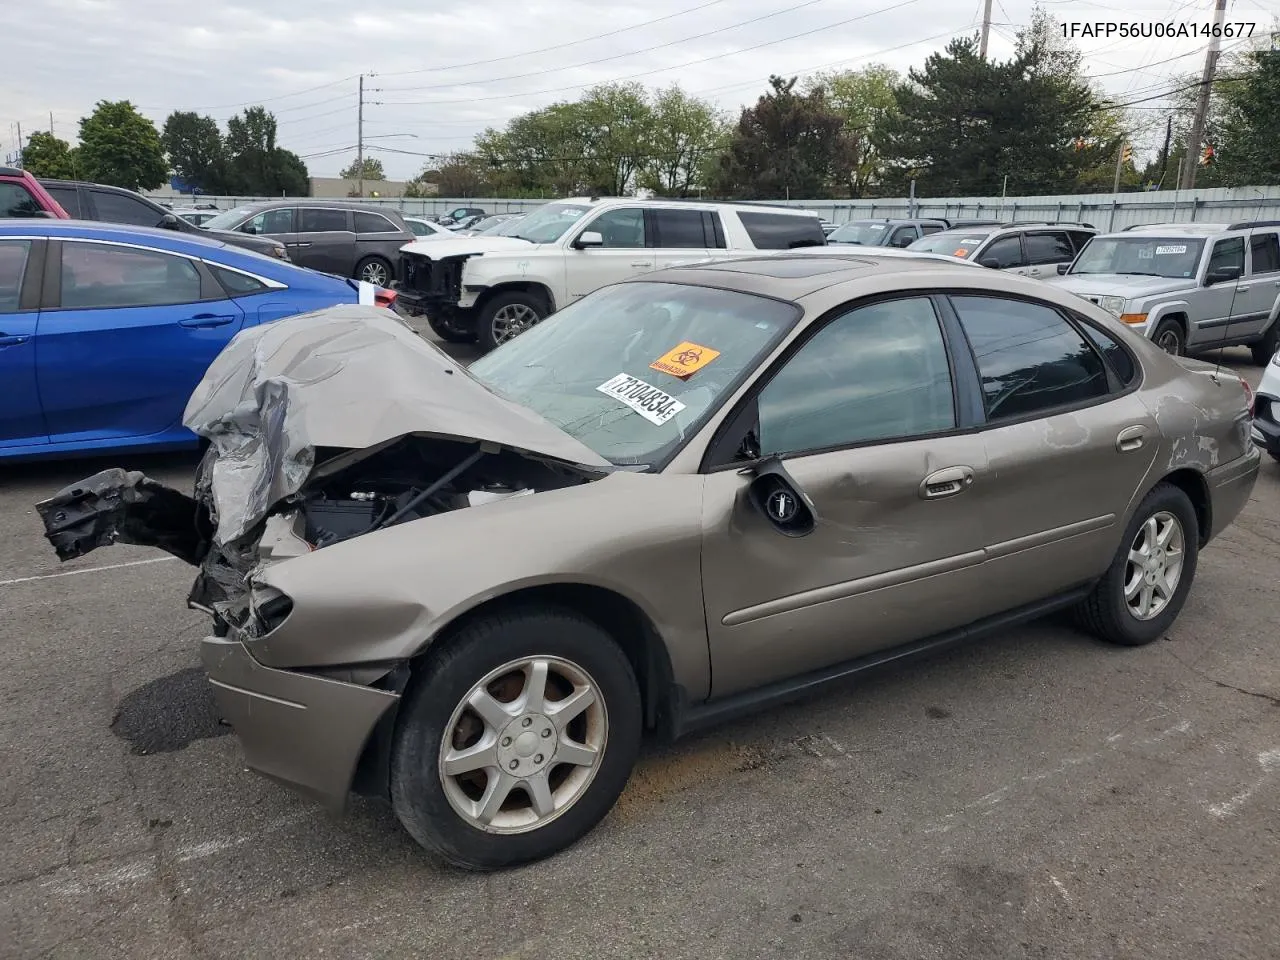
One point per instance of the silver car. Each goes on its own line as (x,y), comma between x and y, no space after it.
(681,498)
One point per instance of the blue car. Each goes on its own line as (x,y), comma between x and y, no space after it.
(106,329)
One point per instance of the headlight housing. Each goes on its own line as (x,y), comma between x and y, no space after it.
(1113,305)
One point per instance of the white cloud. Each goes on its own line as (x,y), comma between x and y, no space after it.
(443,74)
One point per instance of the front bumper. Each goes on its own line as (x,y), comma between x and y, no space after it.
(305,731)
(1266,423)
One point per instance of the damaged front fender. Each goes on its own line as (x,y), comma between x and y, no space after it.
(125,506)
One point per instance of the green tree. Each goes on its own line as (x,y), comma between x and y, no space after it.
(120,146)
(48,156)
(196,151)
(256,166)
(788,145)
(686,136)
(372,170)
(1247,136)
(865,99)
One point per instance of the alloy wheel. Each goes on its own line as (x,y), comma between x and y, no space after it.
(1154,566)
(523,745)
(375,273)
(511,320)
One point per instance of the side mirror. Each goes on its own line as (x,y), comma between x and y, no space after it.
(1063,268)
(1222,275)
(169,221)
(248,228)
(991,262)
(779,499)
(589,238)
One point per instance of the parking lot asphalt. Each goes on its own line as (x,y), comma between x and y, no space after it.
(1037,794)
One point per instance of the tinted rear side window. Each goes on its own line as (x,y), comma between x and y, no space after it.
(236,284)
(680,229)
(1266,252)
(780,231)
(374,223)
(311,220)
(1029,357)
(68,198)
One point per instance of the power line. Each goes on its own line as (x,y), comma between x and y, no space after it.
(254,103)
(616,56)
(558,46)
(678,66)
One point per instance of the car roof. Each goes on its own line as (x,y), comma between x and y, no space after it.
(676,203)
(1192,229)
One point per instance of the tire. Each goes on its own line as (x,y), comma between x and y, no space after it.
(1274,456)
(495,320)
(1169,337)
(449,333)
(1262,351)
(375,266)
(1105,612)
(430,806)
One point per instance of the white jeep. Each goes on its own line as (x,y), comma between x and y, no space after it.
(490,288)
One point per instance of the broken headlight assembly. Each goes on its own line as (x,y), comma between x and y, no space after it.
(268,608)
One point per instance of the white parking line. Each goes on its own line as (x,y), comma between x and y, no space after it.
(72,573)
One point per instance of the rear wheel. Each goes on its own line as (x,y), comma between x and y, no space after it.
(374,270)
(1265,349)
(1143,590)
(515,739)
(1169,337)
(508,315)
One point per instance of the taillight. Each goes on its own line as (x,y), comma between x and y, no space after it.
(1249,398)
(384,298)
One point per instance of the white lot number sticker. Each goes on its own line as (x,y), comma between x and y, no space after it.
(644,398)
(1161,251)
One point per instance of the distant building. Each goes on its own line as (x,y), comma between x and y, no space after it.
(337,187)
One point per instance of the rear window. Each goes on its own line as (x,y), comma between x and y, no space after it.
(781,231)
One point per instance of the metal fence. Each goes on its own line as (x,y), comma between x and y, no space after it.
(1105,211)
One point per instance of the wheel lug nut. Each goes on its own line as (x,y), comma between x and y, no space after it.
(538,758)
(515,764)
(506,741)
(526,722)
(546,732)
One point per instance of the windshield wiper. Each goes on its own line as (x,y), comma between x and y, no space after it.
(1137,273)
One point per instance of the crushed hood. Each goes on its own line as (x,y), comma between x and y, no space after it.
(349,377)
(462,246)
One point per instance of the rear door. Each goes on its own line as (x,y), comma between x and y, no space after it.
(325,240)
(127,334)
(682,236)
(1256,295)
(1045,249)
(21,265)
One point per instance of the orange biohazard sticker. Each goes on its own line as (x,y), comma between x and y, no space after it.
(962,252)
(685,360)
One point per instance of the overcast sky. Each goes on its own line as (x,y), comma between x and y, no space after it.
(445,71)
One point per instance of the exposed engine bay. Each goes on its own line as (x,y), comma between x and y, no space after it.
(347,496)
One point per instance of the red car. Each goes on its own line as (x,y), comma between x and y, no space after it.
(22,196)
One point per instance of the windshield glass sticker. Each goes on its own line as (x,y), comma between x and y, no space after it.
(684,360)
(877,226)
(644,398)
(968,243)
(962,252)
(1180,248)
(1146,253)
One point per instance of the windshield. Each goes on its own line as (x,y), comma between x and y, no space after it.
(959,243)
(633,369)
(1172,257)
(227,219)
(859,231)
(507,228)
(487,223)
(550,222)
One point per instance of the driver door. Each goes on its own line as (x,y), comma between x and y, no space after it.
(863,417)
(625,253)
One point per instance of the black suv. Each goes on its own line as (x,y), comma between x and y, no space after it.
(97,201)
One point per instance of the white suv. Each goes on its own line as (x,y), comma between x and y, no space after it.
(490,288)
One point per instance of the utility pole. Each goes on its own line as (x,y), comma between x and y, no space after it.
(986,29)
(19,122)
(1196,140)
(360,142)
(1119,166)
(1164,154)
(51,123)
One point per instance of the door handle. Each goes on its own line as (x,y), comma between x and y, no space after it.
(1131,438)
(8,341)
(640,263)
(946,483)
(205,320)
(297,244)
(1242,289)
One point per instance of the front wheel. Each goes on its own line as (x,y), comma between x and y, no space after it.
(1170,338)
(515,739)
(1143,590)
(508,315)
(374,270)
(448,332)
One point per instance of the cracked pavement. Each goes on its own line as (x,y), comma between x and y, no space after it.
(1036,794)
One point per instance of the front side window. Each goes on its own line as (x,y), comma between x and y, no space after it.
(269,222)
(17,201)
(121,208)
(68,197)
(904,236)
(879,372)
(1006,252)
(13,268)
(319,220)
(1030,359)
(1265,249)
(634,369)
(1045,248)
(1227,254)
(1145,256)
(623,227)
(96,275)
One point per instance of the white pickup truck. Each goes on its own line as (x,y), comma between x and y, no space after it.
(490,288)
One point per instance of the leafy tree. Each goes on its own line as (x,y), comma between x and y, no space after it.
(687,136)
(48,156)
(865,99)
(256,166)
(120,146)
(372,170)
(196,151)
(1247,137)
(463,175)
(788,144)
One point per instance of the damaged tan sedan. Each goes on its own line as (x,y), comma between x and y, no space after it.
(682,498)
